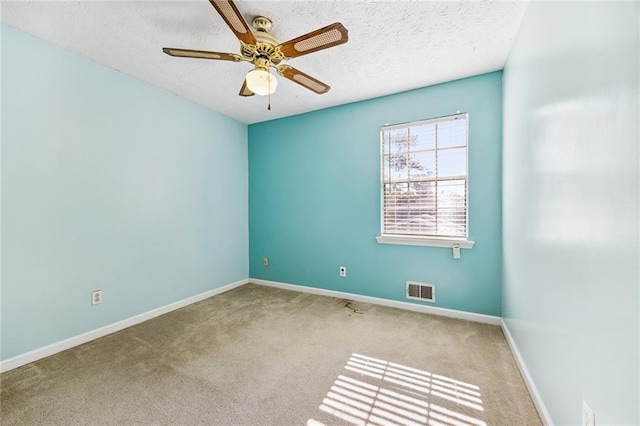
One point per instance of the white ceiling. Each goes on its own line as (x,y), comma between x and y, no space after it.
(393,45)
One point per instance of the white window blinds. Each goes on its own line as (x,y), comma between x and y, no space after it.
(424,177)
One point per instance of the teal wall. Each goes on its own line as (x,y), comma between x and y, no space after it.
(314,199)
(571,206)
(109,183)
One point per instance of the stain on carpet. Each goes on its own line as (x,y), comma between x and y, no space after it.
(349,305)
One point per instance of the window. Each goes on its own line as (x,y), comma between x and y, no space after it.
(424,182)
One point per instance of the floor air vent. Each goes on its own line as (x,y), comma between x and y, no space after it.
(420,291)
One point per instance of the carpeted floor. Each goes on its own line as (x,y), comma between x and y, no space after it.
(264,356)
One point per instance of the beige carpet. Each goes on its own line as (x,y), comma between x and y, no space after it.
(263,356)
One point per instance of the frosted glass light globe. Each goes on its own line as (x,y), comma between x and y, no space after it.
(261,82)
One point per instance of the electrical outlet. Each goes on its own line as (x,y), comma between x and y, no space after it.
(265,261)
(588,417)
(96,297)
(343,271)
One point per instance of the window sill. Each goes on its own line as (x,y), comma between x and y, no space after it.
(410,240)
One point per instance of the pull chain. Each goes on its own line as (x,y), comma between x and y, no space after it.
(269,84)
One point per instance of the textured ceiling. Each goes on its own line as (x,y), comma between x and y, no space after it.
(393,45)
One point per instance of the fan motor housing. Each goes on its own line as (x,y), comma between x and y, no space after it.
(267,45)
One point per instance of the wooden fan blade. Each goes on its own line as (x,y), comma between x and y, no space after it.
(202,54)
(244,91)
(229,12)
(329,36)
(304,80)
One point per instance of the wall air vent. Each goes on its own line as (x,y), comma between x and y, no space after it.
(420,291)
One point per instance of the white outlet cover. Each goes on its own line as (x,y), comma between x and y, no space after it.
(588,417)
(96,297)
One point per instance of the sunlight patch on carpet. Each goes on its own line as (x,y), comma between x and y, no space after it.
(381,393)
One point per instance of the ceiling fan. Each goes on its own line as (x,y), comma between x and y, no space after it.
(265,52)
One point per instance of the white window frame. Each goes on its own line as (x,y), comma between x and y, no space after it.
(423,240)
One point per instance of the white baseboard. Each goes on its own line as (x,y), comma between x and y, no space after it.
(469,316)
(528,380)
(80,339)
(69,343)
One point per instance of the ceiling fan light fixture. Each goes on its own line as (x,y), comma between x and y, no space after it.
(261,82)
(264,51)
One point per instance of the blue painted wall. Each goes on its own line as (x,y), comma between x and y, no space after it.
(571,206)
(108,183)
(314,199)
